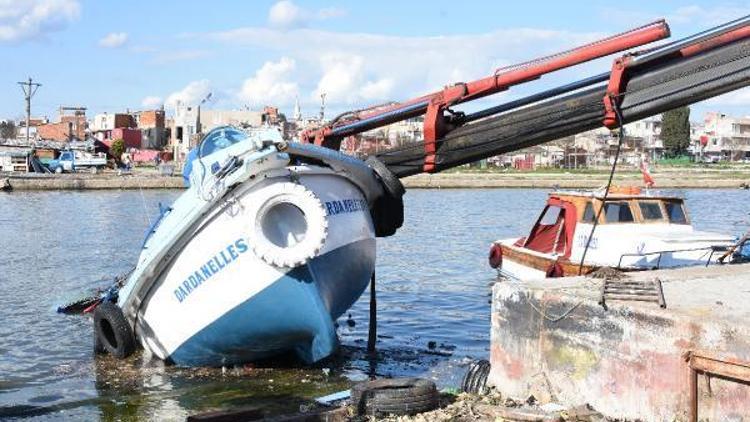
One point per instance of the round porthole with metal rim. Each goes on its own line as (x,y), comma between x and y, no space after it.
(289,226)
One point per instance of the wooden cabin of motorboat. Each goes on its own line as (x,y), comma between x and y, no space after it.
(636,230)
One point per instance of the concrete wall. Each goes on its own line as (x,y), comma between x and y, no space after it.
(89,182)
(553,340)
(214,118)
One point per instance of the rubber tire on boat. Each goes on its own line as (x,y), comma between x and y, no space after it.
(113,330)
(396,396)
(388,211)
(391,183)
(315,219)
(475,380)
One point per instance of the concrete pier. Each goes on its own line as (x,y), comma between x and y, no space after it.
(551,338)
(80,181)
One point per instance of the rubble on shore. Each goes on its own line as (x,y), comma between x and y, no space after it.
(493,407)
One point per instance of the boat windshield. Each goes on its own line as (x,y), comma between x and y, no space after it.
(650,210)
(588,213)
(618,212)
(220,138)
(675,212)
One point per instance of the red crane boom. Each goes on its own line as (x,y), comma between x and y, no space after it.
(434,105)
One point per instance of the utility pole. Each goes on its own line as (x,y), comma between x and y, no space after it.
(322,106)
(29,89)
(198,128)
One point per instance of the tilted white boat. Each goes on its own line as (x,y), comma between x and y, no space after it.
(269,245)
(636,230)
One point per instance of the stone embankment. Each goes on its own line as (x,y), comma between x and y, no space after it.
(33,182)
(571,180)
(682,179)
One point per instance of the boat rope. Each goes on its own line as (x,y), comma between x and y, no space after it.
(618,113)
(552,318)
(143,201)
(372,329)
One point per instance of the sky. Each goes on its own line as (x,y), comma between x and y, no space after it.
(109,56)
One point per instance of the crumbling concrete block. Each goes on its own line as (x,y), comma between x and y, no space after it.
(627,360)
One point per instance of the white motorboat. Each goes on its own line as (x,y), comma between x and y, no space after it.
(269,245)
(636,230)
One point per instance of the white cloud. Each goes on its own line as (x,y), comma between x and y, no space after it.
(344,81)
(114,40)
(30,19)
(362,68)
(342,74)
(270,85)
(285,15)
(377,90)
(152,102)
(191,94)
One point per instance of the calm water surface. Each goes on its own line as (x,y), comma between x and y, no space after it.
(433,291)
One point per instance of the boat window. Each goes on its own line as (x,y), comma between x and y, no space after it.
(618,212)
(220,138)
(676,213)
(550,215)
(588,213)
(651,210)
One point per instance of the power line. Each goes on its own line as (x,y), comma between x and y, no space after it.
(29,89)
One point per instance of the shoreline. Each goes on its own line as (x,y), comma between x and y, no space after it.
(570,180)
(451,180)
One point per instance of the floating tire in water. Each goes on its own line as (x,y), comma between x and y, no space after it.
(113,331)
(398,396)
(289,227)
(475,380)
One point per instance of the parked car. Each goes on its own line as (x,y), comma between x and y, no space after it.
(73,161)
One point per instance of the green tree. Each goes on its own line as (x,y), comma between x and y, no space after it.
(675,131)
(117,148)
(7,130)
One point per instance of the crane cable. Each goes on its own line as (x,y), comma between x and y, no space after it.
(609,182)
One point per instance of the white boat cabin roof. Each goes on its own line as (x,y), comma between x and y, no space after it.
(618,192)
(624,205)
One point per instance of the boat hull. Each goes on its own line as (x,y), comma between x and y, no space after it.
(523,264)
(220,303)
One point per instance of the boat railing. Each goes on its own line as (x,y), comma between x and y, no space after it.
(712,249)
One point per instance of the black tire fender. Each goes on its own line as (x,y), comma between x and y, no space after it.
(391,183)
(388,210)
(397,396)
(113,330)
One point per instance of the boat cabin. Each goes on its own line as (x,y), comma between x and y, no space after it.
(554,230)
